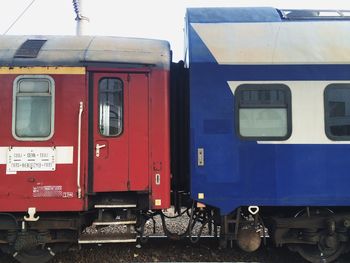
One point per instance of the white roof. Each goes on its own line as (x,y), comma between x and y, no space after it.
(87,50)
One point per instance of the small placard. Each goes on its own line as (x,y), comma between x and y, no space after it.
(47,191)
(30,159)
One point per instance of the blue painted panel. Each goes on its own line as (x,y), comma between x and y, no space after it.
(279,175)
(270,72)
(239,172)
(246,173)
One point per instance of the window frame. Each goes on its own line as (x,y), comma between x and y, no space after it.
(123,108)
(263,86)
(326,112)
(16,81)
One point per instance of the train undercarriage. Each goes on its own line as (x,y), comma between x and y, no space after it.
(318,234)
(38,241)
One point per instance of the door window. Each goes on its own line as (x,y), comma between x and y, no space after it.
(110,106)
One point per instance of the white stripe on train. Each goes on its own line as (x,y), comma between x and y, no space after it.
(308,119)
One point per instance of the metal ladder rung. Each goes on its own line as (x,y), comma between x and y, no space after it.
(116,222)
(108,238)
(115,206)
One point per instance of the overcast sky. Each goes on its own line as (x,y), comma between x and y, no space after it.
(159,19)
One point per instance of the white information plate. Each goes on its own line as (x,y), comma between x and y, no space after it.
(30,159)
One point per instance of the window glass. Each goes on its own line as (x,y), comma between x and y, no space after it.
(39,85)
(110,106)
(337,111)
(263,111)
(263,122)
(33,107)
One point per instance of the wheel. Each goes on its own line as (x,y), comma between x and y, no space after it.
(34,255)
(317,254)
(40,254)
(328,248)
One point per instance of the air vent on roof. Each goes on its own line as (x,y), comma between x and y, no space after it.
(30,48)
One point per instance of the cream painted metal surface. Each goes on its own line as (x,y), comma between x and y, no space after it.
(318,42)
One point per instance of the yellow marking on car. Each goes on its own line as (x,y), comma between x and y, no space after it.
(43,70)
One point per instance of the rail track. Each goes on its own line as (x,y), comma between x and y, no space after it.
(161,249)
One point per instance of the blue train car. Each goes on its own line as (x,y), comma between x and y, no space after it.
(270,123)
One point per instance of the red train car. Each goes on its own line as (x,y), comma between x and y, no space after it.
(84,138)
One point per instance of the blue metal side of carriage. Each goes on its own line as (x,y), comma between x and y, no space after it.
(237,172)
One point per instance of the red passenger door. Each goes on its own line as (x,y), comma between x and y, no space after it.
(120,132)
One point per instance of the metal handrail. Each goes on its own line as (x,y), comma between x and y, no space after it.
(81,108)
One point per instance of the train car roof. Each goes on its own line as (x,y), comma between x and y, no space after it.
(233,15)
(82,51)
(265,36)
(261,14)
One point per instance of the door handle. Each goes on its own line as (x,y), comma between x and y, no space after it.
(98,147)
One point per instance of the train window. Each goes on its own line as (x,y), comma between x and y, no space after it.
(33,107)
(263,111)
(110,106)
(337,111)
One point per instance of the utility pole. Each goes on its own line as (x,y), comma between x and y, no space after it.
(82,21)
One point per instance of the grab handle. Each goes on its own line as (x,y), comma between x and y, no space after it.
(81,108)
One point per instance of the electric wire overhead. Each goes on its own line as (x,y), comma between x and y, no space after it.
(19,17)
